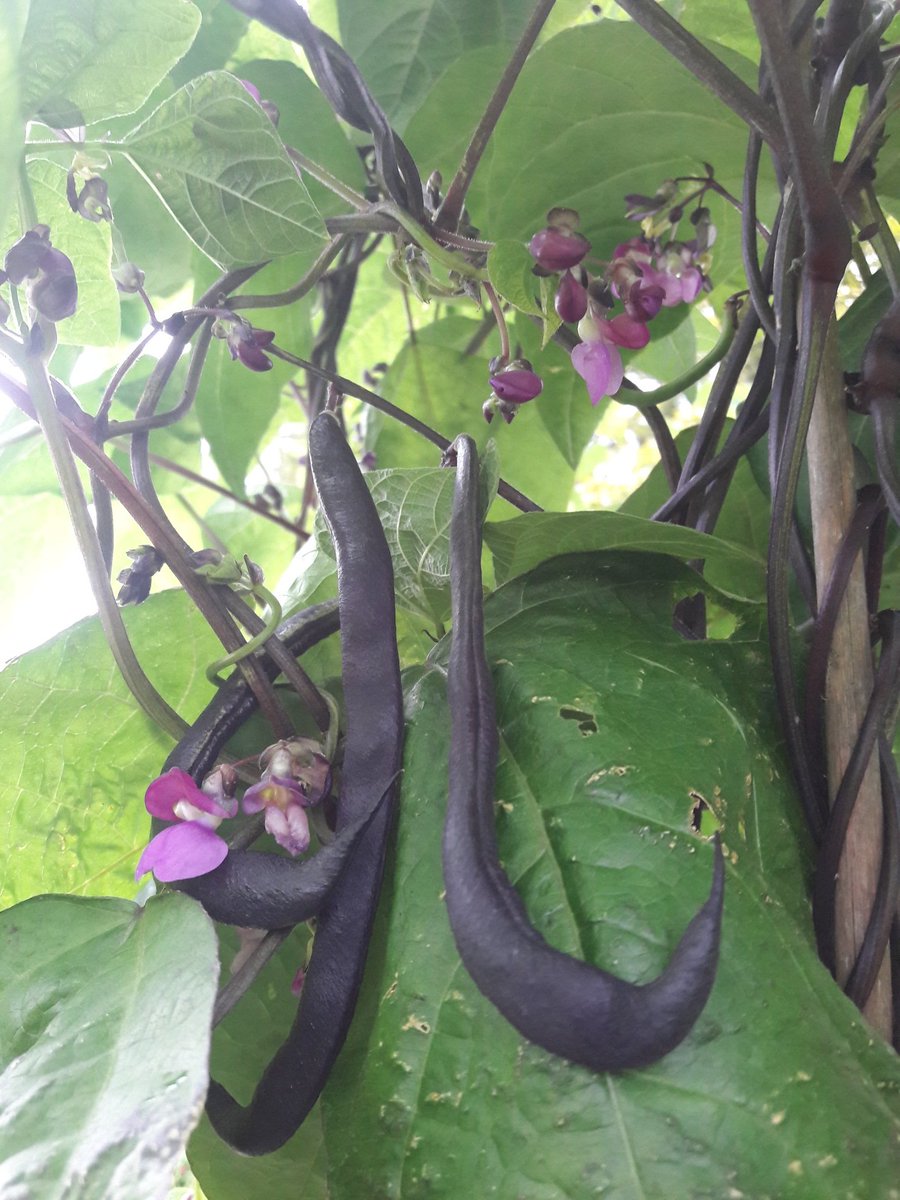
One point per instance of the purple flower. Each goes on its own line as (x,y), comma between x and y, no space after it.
(556,249)
(283,800)
(516,385)
(51,285)
(245,343)
(643,301)
(289,827)
(571,299)
(600,366)
(191,847)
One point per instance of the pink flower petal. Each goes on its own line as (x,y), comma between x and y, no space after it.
(691,282)
(600,366)
(175,786)
(670,284)
(182,851)
(628,332)
(289,828)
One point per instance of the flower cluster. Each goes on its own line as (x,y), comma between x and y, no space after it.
(646,274)
(295,775)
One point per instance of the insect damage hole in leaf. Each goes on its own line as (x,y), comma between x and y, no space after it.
(587,722)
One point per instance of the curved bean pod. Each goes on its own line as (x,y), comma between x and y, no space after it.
(250,888)
(568,1007)
(373,704)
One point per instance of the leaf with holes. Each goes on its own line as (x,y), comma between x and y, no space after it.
(612,732)
(218,165)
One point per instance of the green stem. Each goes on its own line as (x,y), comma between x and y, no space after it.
(452,207)
(354,199)
(272,623)
(447,258)
(693,374)
(300,288)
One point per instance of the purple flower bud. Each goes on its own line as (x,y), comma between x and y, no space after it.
(251,88)
(516,385)
(136,579)
(556,250)
(626,331)
(571,299)
(55,291)
(271,110)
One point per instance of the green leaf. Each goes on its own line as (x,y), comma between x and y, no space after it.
(12,25)
(307,122)
(215,160)
(522,543)
(402,46)
(414,507)
(99,58)
(88,245)
(510,267)
(242,1046)
(235,406)
(743,521)
(611,727)
(104,1028)
(78,755)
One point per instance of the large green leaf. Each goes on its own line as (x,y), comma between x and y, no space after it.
(104,1028)
(215,160)
(522,543)
(77,753)
(611,730)
(242,1046)
(402,46)
(99,58)
(597,113)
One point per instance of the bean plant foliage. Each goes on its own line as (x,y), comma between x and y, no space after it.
(402,817)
